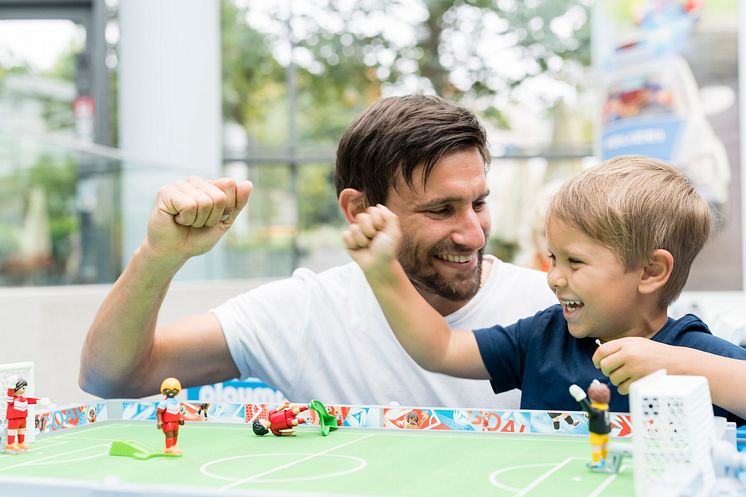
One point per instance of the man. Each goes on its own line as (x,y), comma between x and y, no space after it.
(323,335)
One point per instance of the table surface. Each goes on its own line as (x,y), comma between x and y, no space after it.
(350,461)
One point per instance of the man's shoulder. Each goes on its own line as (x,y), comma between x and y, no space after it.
(330,288)
(346,278)
(335,274)
(303,278)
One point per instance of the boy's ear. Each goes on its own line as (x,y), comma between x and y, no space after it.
(656,272)
(351,203)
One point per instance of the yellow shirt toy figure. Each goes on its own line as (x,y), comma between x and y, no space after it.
(599,425)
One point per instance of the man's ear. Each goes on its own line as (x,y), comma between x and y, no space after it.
(656,273)
(351,203)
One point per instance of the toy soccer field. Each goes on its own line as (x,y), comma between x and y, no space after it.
(363,462)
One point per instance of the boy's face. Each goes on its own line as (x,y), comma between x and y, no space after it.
(598,297)
(444,225)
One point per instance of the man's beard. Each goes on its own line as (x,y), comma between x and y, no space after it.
(424,277)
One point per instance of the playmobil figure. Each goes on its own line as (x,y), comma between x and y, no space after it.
(202,411)
(17,412)
(168,414)
(599,425)
(281,421)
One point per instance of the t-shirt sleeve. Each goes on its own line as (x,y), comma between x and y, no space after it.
(503,352)
(263,329)
(712,344)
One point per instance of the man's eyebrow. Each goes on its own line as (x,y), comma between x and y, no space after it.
(448,200)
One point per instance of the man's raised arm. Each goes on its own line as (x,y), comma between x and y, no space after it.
(124,353)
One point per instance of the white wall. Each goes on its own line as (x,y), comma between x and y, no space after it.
(47,325)
(169,108)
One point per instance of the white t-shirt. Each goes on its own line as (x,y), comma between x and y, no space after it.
(323,336)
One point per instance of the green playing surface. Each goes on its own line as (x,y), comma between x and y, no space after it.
(349,461)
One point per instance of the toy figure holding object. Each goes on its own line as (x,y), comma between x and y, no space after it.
(17,412)
(281,421)
(168,414)
(598,419)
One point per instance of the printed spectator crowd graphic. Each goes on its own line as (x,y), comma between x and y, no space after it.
(669,74)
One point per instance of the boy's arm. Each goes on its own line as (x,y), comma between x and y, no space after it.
(628,359)
(373,242)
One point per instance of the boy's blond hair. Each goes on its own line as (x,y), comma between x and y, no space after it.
(633,205)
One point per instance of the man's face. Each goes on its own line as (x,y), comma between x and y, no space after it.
(444,224)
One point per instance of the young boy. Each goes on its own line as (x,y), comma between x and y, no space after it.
(621,238)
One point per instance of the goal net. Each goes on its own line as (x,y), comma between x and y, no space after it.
(673,433)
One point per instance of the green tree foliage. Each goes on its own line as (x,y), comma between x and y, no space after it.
(483,53)
(348,53)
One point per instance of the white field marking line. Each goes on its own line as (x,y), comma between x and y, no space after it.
(607,481)
(69,432)
(293,463)
(479,435)
(361,463)
(95,439)
(506,469)
(508,488)
(546,475)
(48,444)
(67,461)
(34,461)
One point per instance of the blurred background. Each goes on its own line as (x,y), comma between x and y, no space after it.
(104,101)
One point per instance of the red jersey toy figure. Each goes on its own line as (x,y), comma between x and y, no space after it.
(17,412)
(168,414)
(281,421)
(599,425)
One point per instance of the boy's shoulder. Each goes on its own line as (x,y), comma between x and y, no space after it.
(691,331)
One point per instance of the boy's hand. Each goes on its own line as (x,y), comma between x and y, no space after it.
(373,239)
(628,359)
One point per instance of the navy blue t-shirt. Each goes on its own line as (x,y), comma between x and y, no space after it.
(539,356)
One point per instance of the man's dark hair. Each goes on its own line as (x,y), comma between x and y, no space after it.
(21,383)
(399,134)
(259,428)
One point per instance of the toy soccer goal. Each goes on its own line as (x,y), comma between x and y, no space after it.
(672,421)
(25,370)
